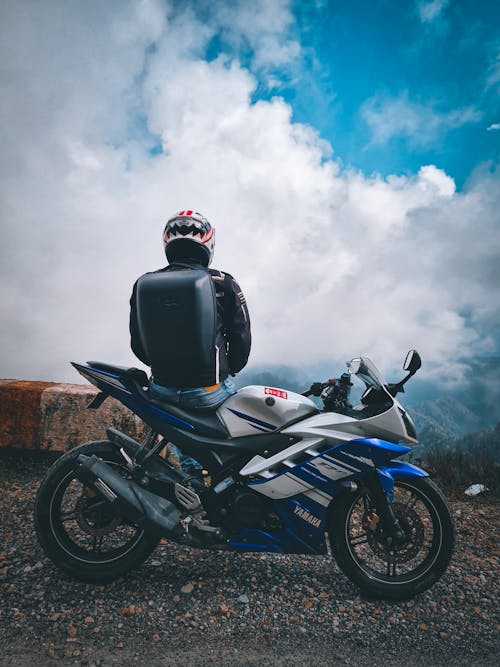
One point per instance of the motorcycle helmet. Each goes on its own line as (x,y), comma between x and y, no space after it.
(189,235)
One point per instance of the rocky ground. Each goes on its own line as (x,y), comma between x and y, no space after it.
(186,607)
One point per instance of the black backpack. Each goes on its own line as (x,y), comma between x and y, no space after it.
(177,317)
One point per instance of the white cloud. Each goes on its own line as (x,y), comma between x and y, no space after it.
(261,25)
(430,11)
(419,123)
(493,126)
(333,263)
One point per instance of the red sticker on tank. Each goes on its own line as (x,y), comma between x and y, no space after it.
(275,392)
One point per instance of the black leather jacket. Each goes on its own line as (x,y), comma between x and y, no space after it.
(233,336)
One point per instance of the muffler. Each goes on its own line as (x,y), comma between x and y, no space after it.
(135,504)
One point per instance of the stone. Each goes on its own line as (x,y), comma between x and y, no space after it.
(53,416)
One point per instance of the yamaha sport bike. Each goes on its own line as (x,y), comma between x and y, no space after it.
(281,476)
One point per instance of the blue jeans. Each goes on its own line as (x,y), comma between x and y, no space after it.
(192,399)
(196,398)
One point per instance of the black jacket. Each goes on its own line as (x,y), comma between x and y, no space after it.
(233,336)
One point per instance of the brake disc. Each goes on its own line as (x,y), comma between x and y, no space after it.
(413,528)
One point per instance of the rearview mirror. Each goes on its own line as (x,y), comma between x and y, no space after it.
(412,362)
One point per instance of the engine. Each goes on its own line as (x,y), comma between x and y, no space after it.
(246,509)
(232,510)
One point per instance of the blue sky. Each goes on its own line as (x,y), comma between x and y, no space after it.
(434,65)
(341,150)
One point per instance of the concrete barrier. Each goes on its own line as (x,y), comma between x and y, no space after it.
(52,416)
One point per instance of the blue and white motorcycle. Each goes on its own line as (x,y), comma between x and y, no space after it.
(281,476)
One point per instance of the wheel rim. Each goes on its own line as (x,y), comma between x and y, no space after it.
(421,524)
(84,525)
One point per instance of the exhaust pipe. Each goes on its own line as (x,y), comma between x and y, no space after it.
(149,511)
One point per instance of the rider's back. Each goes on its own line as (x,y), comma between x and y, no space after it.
(188,322)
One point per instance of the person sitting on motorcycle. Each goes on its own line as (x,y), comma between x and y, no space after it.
(189,240)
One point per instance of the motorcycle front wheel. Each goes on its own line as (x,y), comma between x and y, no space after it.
(396,573)
(78,529)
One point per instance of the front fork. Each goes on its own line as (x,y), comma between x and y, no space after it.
(394,534)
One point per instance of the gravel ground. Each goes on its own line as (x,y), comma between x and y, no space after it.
(191,607)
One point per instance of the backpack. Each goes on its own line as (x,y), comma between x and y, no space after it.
(177,318)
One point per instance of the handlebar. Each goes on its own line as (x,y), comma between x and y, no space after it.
(334,392)
(315,389)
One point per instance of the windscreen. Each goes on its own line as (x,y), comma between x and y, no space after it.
(365,370)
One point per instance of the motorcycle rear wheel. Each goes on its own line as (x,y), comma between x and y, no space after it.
(400,573)
(78,529)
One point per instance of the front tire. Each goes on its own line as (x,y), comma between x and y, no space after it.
(399,573)
(78,529)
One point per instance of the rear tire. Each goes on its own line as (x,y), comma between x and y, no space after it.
(361,553)
(78,530)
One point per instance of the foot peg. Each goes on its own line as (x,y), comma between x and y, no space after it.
(190,500)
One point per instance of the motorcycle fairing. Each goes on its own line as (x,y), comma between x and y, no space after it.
(345,461)
(304,515)
(303,530)
(251,539)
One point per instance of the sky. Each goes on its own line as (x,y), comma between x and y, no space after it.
(346,153)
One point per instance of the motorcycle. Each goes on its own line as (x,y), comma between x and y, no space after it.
(280,475)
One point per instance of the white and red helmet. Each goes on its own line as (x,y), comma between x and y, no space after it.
(189,234)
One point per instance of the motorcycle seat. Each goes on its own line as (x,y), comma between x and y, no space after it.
(204,420)
(135,374)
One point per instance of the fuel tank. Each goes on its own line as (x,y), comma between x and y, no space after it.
(262,409)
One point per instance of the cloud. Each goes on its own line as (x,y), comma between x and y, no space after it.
(493,126)
(430,11)
(262,26)
(419,123)
(333,263)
